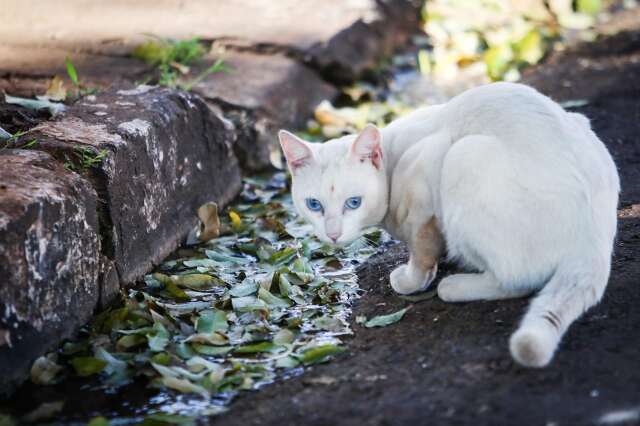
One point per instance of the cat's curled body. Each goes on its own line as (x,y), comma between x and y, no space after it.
(515,188)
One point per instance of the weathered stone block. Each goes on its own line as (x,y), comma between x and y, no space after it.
(166,153)
(260,94)
(49,258)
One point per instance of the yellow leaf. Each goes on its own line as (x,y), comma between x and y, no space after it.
(530,48)
(56,90)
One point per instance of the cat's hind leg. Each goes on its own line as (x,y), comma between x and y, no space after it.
(482,286)
(425,249)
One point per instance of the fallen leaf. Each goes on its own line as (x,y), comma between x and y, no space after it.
(320,354)
(45,369)
(86,365)
(45,411)
(36,104)
(210,227)
(385,320)
(55,90)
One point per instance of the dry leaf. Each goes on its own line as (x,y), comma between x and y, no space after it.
(210,228)
(56,90)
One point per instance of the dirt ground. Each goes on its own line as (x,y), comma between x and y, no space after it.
(449,364)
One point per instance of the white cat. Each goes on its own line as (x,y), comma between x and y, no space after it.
(515,187)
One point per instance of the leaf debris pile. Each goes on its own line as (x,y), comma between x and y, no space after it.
(228,314)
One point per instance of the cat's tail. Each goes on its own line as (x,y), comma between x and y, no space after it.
(573,288)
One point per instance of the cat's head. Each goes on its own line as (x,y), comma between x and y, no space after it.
(340,186)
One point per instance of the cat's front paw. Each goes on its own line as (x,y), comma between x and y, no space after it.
(403,281)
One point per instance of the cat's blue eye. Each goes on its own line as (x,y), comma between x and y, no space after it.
(353,202)
(313,204)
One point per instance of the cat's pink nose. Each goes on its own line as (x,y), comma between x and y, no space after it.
(333,236)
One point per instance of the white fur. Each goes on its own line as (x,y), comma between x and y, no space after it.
(523,192)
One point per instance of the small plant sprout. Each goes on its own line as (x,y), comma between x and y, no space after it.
(173,58)
(87,158)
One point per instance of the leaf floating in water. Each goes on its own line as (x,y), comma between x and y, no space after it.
(320,354)
(45,369)
(257,347)
(212,350)
(196,281)
(283,337)
(86,365)
(45,411)
(158,338)
(184,385)
(245,288)
(248,304)
(211,321)
(98,421)
(36,104)
(175,291)
(128,342)
(385,320)
(258,302)
(271,299)
(164,419)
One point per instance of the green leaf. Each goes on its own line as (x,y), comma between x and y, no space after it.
(184,386)
(272,300)
(212,320)
(498,59)
(98,421)
(248,304)
(384,320)
(214,338)
(328,323)
(175,291)
(184,351)
(163,419)
(206,263)
(256,347)
(54,108)
(211,350)
(87,365)
(71,71)
(130,341)
(287,362)
(530,48)
(245,288)
(152,52)
(590,7)
(293,292)
(284,337)
(302,269)
(158,338)
(282,257)
(115,367)
(161,358)
(214,255)
(320,354)
(196,281)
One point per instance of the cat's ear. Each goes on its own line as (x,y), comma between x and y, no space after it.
(368,146)
(296,151)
